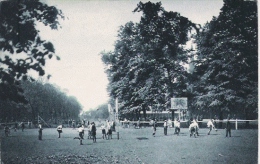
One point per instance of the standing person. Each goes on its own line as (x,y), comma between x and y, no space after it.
(15,126)
(154,127)
(40,131)
(73,124)
(165,126)
(22,124)
(103,129)
(81,131)
(211,126)
(169,123)
(138,124)
(89,131)
(228,128)
(7,130)
(109,131)
(215,121)
(59,129)
(93,130)
(177,126)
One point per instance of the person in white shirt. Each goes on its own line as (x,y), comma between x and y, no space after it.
(89,131)
(81,131)
(165,126)
(194,128)
(177,126)
(109,131)
(59,129)
(103,129)
(211,126)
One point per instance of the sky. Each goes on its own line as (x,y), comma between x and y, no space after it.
(89,28)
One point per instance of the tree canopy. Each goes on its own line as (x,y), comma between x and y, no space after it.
(227,65)
(21,47)
(146,66)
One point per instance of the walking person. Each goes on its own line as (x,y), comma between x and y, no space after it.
(165,126)
(228,128)
(59,129)
(211,126)
(40,131)
(93,131)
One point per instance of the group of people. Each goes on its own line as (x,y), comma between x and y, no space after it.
(7,129)
(193,127)
(106,130)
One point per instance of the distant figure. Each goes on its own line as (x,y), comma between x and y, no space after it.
(211,126)
(7,130)
(59,129)
(177,126)
(228,128)
(103,129)
(165,126)
(15,126)
(73,124)
(93,131)
(22,125)
(89,131)
(138,124)
(109,130)
(40,131)
(169,123)
(154,127)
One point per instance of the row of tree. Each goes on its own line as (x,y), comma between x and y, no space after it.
(147,67)
(44,99)
(22,51)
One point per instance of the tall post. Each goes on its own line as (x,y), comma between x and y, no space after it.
(236,124)
(117,118)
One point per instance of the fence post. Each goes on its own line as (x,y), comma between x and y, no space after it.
(236,124)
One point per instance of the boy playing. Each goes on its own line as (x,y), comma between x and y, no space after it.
(211,126)
(81,131)
(59,129)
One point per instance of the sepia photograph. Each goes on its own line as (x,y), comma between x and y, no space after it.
(129,81)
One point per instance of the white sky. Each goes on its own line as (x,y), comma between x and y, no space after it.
(91,27)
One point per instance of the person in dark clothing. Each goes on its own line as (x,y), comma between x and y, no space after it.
(22,124)
(228,128)
(165,126)
(93,130)
(40,131)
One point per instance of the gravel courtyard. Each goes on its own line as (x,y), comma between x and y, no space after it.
(135,146)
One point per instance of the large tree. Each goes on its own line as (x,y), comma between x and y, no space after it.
(21,47)
(146,67)
(227,65)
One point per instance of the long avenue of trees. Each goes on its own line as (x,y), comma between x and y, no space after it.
(147,66)
(23,50)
